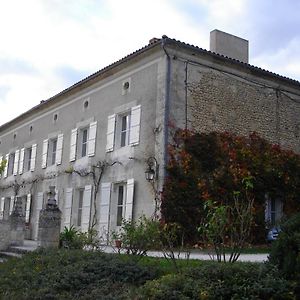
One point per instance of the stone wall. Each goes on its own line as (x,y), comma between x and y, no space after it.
(222,102)
(4,234)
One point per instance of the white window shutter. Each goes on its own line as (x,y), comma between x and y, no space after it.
(11,206)
(68,207)
(16,162)
(2,208)
(73,143)
(104,210)
(38,207)
(135,122)
(110,135)
(45,153)
(27,209)
(21,163)
(6,166)
(59,149)
(86,208)
(92,139)
(33,157)
(129,200)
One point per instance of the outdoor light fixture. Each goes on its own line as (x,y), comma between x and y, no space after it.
(151,173)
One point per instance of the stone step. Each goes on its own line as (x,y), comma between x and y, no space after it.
(7,254)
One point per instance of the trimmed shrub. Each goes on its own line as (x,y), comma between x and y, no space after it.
(71,274)
(285,251)
(220,281)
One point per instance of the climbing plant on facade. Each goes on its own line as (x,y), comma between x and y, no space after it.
(212,166)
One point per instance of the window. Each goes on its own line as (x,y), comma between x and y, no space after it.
(83,142)
(11,162)
(120,205)
(79,212)
(27,159)
(124,130)
(28,156)
(273,211)
(52,151)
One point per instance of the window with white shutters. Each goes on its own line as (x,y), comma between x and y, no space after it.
(124,129)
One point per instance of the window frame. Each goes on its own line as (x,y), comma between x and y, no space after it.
(27,159)
(121,192)
(83,140)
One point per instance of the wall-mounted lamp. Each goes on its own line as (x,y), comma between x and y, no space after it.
(151,173)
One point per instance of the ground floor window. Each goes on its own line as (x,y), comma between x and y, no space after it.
(121,196)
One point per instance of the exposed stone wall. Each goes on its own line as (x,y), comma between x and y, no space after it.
(221,102)
(4,234)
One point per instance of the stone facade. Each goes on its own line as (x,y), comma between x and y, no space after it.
(219,102)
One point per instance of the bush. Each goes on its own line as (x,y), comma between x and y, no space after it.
(220,281)
(285,251)
(71,274)
(71,238)
(138,237)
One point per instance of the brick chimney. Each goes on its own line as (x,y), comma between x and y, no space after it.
(229,45)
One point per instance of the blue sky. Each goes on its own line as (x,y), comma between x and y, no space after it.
(48,45)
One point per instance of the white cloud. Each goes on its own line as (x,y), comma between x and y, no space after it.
(87,35)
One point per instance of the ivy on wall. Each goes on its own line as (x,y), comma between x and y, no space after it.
(212,166)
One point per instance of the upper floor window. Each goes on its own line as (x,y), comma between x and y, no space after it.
(83,141)
(124,129)
(52,151)
(28,156)
(27,159)
(11,163)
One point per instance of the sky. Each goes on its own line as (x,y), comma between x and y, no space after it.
(48,45)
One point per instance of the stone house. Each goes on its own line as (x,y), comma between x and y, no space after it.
(95,140)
